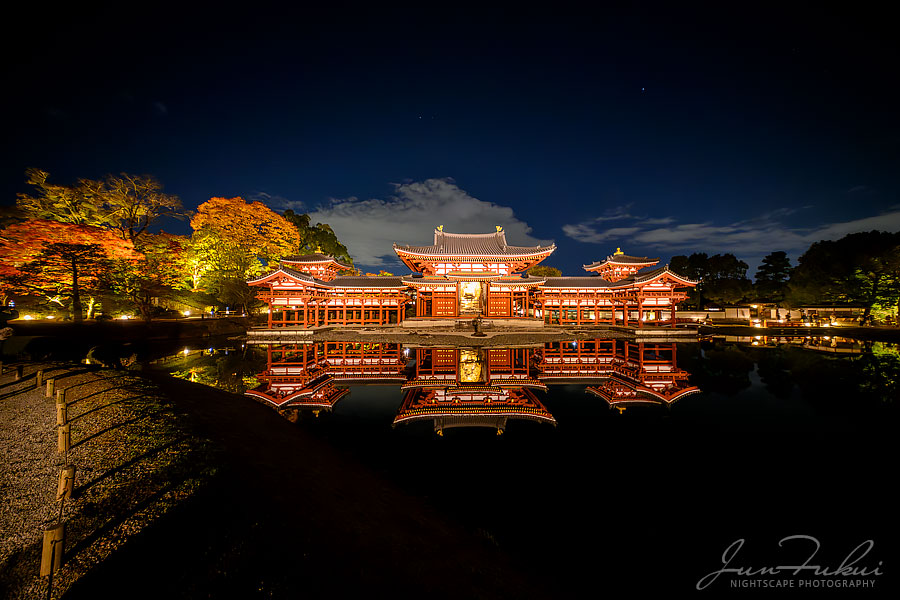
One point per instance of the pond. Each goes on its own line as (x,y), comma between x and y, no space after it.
(611,463)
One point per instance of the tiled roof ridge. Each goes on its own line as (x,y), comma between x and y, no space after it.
(314,257)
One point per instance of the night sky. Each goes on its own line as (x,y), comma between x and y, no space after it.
(661,131)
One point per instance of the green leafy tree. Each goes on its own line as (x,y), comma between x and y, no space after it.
(221,267)
(154,275)
(772,277)
(543,271)
(722,277)
(860,268)
(317,238)
(64,203)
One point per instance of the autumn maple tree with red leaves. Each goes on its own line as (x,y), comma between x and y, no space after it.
(59,260)
(76,247)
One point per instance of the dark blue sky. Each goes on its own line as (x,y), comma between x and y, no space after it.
(663,131)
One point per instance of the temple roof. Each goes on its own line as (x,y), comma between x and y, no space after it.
(315,257)
(643,276)
(306,277)
(619,258)
(472,244)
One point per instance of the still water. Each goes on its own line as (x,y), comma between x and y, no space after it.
(640,461)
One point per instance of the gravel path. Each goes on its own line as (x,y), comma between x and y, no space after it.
(251,507)
(134,460)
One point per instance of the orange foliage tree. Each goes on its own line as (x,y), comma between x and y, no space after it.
(59,260)
(234,240)
(253,226)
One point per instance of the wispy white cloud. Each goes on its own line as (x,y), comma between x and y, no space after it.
(589,233)
(276,202)
(370,227)
(751,237)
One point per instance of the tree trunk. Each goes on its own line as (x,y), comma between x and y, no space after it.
(76,298)
(145,306)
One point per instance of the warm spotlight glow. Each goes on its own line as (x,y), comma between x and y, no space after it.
(28,318)
(185,351)
(186,313)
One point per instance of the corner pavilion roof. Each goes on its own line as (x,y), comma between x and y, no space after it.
(620,258)
(315,257)
(472,244)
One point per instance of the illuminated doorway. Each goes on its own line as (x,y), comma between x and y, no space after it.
(470,295)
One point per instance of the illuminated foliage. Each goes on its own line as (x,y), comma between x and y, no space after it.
(252,226)
(67,204)
(125,203)
(59,260)
(155,274)
(132,203)
(542,271)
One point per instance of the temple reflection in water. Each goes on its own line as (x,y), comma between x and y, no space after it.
(470,387)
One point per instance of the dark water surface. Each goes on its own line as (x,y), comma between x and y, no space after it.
(635,488)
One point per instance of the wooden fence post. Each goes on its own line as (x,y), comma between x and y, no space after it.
(20,372)
(51,387)
(61,396)
(51,557)
(62,414)
(39,378)
(65,438)
(66,483)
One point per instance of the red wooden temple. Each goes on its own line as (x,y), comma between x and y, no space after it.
(468,275)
